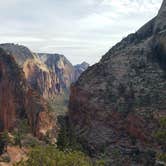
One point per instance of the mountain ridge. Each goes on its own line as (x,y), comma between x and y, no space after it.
(121,98)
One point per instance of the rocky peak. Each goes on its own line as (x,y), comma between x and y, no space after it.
(160,23)
(20,53)
(163,8)
(154,27)
(80,68)
(83,65)
(38,76)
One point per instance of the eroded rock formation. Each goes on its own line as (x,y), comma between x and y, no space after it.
(18,101)
(61,67)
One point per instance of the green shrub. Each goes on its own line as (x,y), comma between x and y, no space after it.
(20,132)
(51,156)
(4,141)
(162,157)
(160,136)
(5,158)
(67,138)
(163,122)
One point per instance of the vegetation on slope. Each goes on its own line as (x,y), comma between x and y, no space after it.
(51,156)
(160,136)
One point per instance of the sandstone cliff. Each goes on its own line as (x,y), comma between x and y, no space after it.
(61,67)
(41,79)
(117,102)
(37,74)
(18,101)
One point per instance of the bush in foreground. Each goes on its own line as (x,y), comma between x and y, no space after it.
(50,156)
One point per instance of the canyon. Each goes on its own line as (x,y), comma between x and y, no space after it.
(28,81)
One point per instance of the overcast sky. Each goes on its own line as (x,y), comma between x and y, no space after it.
(82,30)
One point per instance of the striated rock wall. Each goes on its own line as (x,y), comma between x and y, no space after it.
(41,79)
(48,74)
(61,67)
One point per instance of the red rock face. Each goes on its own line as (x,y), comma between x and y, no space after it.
(7,108)
(41,120)
(11,92)
(18,101)
(41,79)
(61,67)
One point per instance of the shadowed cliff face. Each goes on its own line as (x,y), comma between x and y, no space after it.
(18,101)
(120,99)
(12,91)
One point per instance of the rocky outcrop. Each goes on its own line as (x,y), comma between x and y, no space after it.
(42,120)
(20,53)
(18,101)
(80,68)
(116,103)
(41,79)
(61,67)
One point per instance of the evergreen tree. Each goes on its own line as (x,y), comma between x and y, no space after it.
(4,141)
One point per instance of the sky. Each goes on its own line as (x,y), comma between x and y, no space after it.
(82,30)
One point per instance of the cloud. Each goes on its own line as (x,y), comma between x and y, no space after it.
(19,39)
(80,29)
